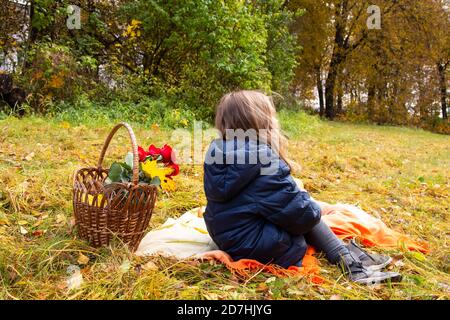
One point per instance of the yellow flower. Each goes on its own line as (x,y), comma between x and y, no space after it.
(167,184)
(152,170)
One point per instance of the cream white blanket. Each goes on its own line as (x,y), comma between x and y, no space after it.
(182,238)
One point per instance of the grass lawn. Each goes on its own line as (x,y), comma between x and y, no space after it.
(398,174)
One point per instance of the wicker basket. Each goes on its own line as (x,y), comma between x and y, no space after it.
(121,210)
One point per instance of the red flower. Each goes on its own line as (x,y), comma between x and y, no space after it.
(176,169)
(142,154)
(154,151)
(167,154)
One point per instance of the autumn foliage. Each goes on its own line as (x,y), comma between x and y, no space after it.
(320,54)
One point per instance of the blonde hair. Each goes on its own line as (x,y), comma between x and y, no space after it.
(251,109)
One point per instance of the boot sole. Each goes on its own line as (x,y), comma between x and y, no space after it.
(375,280)
(379,267)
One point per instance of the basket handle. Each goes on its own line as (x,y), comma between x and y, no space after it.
(134,144)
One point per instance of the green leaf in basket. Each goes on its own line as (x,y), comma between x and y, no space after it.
(126,167)
(142,177)
(156,181)
(120,172)
(115,172)
(126,173)
(129,160)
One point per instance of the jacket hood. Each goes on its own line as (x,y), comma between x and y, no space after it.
(230,165)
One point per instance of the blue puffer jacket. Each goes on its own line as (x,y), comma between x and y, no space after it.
(253,215)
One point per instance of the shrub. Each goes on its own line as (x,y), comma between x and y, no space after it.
(55,74)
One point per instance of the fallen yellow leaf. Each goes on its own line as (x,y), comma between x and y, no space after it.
(150,266)
(82,259)
(23,230)
(61,219)
(29,157)
(38,223)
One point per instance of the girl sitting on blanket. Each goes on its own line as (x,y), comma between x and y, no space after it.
(255,208)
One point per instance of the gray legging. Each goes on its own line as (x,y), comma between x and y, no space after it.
(323,239)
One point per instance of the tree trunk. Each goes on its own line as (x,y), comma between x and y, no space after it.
(443,89)
(33,32)
(329,90)
(422,103)
(370,101)
(337,58)
(6,83)
(147,63)
(339,106)
(320,92)
(32,35)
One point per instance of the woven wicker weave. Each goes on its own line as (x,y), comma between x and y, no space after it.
(118,209)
